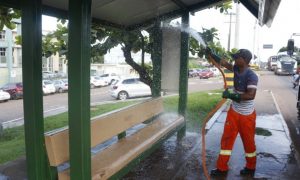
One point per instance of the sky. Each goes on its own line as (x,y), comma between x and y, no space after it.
(251,36)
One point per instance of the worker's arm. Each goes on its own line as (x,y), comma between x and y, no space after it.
(248,95)
(226,64)
(212,55)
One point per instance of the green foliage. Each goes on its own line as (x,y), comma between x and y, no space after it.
(198,106)
(283,49)
(210,36)
(224,7)
(193,63)
(6,17)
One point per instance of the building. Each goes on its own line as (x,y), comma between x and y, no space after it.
(10,55)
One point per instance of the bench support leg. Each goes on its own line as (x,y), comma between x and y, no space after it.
(181,133)
(122,135)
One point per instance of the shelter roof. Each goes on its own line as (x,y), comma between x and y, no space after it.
(135,13)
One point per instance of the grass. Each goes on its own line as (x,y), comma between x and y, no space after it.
(198,106)
(12,144)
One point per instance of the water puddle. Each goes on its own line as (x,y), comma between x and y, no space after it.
(262,132)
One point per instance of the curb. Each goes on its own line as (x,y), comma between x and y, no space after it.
(213,119)
(284,125)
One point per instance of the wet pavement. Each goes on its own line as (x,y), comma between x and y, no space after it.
(181,159)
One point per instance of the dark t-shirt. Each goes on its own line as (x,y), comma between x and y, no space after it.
(243,81)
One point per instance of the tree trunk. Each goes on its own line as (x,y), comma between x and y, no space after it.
(143,50)
(144,76)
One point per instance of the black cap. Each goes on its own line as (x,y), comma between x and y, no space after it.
(244,53)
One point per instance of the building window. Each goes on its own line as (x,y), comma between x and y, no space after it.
(2,55)
(2,35)
(44,61)
(60,65)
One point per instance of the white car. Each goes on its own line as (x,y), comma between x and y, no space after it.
(110,77)
(4,96)
(96,81)
(61,85)
(48,87)
(129,87)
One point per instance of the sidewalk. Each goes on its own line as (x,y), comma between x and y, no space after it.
(275,157)
(182,159)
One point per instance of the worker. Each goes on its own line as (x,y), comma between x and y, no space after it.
(241,115)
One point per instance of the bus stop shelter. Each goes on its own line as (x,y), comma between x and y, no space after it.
(123,14)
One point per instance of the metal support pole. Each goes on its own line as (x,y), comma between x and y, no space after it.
(157,59)
(184,57)
(32,84)
(79,89)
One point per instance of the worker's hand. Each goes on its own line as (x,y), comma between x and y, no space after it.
(233,96)
(214,55)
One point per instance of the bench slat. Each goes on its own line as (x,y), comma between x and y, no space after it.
(102,128)
(117,156)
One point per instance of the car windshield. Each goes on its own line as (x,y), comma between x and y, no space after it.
(104,75)
(47,82)
(286,58)
(274,59)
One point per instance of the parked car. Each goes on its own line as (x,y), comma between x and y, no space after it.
(193,73)
(109,77)
(4,96)
(15,90)
(48,75)
(286,65)
(96,81)
(205,74)
(61,85)
(129,87)
(48,87)
(215,71)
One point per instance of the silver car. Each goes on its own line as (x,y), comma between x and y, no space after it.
(61,85)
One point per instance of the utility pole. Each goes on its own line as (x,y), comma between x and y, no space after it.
(229,33)
(237,27)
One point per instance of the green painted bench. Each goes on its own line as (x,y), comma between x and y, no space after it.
(117,159)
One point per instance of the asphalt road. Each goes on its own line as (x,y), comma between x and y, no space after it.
(56,103)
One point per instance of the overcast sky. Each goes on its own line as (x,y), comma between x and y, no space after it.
(284,25)
(251,36)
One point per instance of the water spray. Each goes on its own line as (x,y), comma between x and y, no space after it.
(199,38)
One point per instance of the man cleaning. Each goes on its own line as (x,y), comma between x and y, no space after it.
(241,116)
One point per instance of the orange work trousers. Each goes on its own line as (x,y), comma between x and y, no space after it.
(245,125)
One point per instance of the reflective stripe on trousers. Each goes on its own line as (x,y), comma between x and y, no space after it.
(244,125)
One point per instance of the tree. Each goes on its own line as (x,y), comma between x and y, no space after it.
(105,38)
(6,17)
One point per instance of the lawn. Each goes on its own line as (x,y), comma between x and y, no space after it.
(12,143)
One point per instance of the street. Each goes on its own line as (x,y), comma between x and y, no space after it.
(12,111)
(281,86)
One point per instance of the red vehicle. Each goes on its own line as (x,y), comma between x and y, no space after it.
(205,74)
(14,89)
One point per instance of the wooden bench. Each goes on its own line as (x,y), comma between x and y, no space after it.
(129,149)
